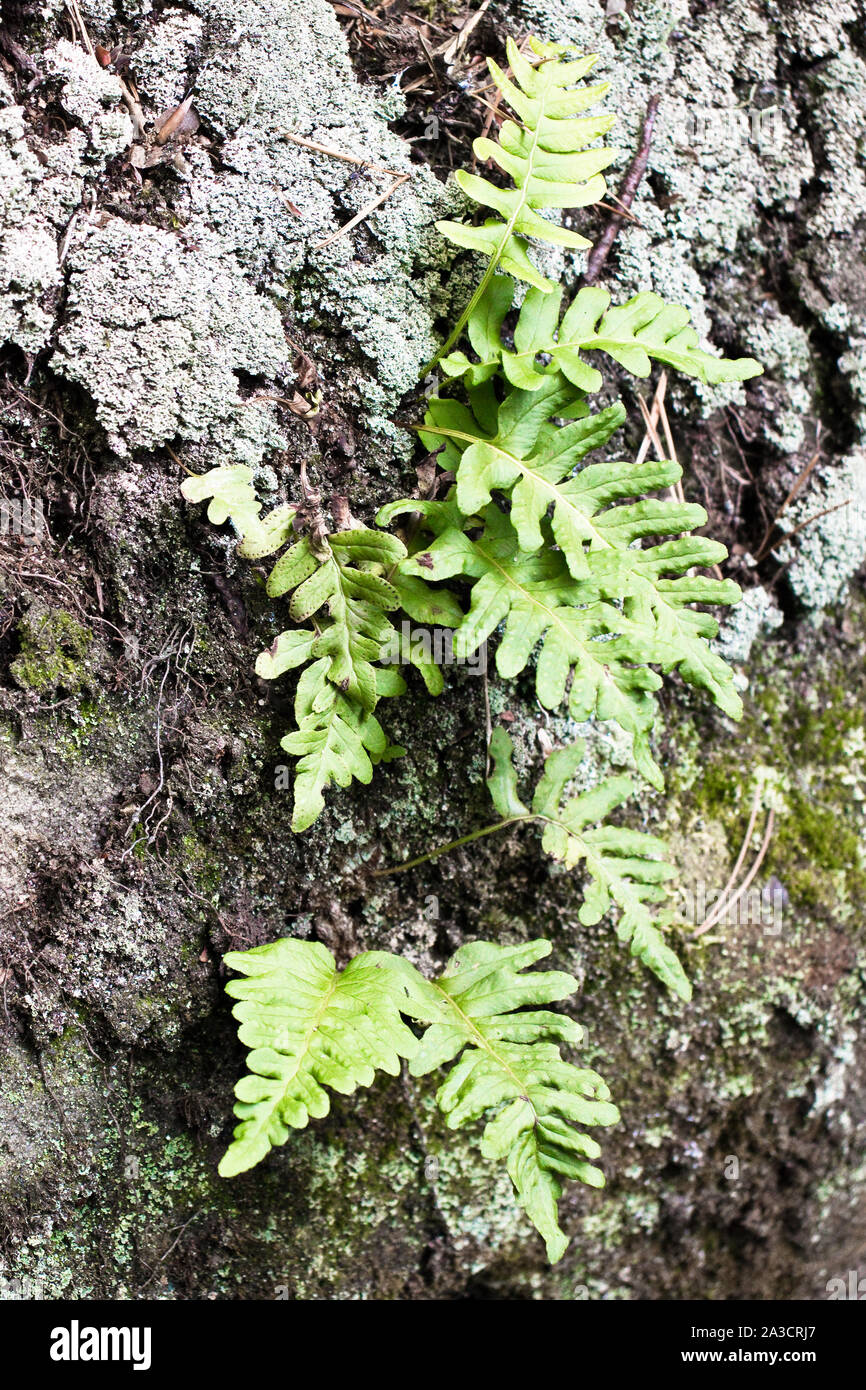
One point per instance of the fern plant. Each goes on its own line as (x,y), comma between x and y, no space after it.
(552,547)
(342,588)
(547,155)
(311,1027)
(589,563)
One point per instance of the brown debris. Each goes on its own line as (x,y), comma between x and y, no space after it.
(601,250)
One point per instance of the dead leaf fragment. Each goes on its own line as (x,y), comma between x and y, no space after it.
(183,120)
(305,371)
(298,406)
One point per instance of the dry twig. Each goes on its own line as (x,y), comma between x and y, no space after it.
(367,167)
(365,212)
(727,898)
(798,485)
(600,252)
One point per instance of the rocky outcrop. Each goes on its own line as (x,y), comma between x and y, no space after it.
(160,304)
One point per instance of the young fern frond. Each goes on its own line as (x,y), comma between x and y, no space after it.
(348,603)
(341,598)
(309,1027)
(312,1028)
(506,1059)
(546,154)
(336,740)
(643,330)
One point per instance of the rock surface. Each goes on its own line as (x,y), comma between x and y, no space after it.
(163,308)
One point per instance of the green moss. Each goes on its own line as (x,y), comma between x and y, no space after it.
(812,846)
(203,866)
(54,652)
(805,733)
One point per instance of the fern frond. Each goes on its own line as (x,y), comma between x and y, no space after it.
(547,155)
(353,626)
(311,1028)
(607,650)
(538,600)
(625,867)
(336,740)
(534,460)
(507,1060)
(341,595)
(233,498)
(643,328)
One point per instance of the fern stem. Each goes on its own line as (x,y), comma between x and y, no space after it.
(594,861)
(454,844)
(457,331)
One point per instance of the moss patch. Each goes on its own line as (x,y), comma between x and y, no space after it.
(54,652)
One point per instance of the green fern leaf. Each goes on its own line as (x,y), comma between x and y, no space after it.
(341,597)
(436,607)
(507,1060)
(354,627)
(546,155)
(625,867)
(538,600)
(288,651)
(311,1028)
(534,459)
(336,740)
(233,497)
(643,328)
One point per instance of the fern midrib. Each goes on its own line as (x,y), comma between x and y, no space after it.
(619,888)
(553,488)
(475,1033)
(592,857)
(345,620)
(503,240)
(555,620)
(329,748)
(302,1056)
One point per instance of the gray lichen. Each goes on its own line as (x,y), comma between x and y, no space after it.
(162,58)
(92,96)
(158,336)
(756,615)
(36,201)
(108,1168)
(831,546)
(219,284)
